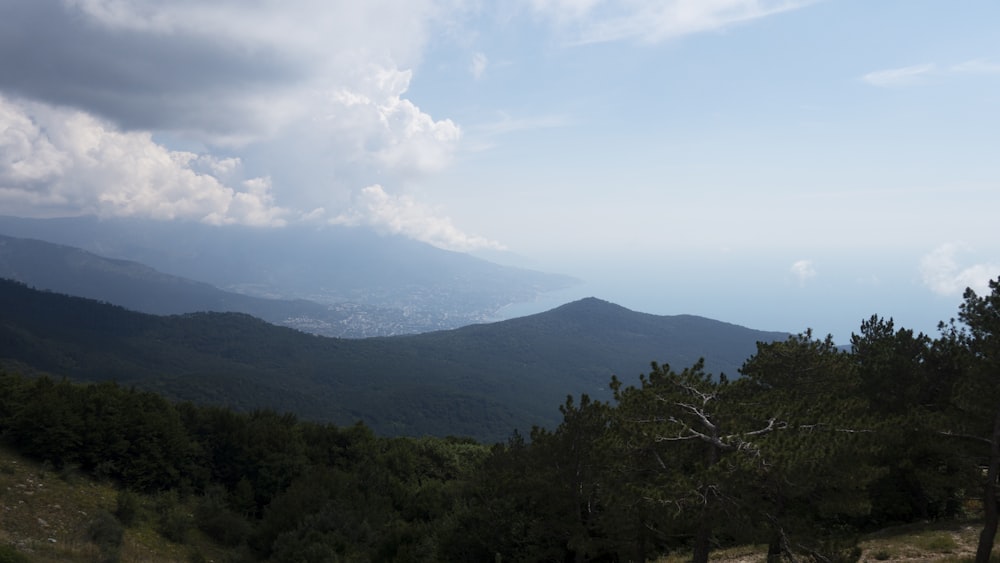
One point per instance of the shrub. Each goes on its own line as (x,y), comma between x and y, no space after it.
(220,523)
(174,522)
(107,533)
(10,555)
(127,507)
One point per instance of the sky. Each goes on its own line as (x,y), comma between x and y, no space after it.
(779,164)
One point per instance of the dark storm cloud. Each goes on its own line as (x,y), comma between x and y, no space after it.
(139,79)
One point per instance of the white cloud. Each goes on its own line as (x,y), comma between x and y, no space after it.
(394,214)
(309,93)
(385,129)
(977,66)
(56,161)
(897,76)
(478,65)
(597,21)
(943,275)
(803,270)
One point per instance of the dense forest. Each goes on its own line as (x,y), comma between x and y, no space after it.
(809,447)
(479,381)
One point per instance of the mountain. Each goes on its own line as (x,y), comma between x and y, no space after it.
(480,380)
(328,265)
(69,270)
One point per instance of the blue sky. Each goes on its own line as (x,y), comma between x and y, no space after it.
(778,164)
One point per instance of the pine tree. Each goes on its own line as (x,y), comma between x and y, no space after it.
(978,397)
(813,470)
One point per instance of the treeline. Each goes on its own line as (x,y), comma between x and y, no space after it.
(268,485)
(809,448)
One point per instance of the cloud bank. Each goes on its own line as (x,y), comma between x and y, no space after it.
(57,161)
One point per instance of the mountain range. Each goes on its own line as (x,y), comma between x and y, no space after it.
(69,270)
(369,284)
(481,380)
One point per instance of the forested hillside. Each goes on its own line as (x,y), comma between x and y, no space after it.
(481,381)
(809,448)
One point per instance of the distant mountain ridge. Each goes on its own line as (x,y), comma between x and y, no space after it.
(430,287)
(135,286)
(480,380)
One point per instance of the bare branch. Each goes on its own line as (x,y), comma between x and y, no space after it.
(965,436)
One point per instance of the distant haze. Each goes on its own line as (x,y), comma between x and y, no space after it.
(753,293)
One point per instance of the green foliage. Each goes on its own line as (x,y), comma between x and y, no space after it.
(213,517)
(10,555)
(908,380)
(173,519)
(107,533)
(469,381)
(127,507)
(978,397)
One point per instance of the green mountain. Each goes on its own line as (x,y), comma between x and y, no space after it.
(482,380)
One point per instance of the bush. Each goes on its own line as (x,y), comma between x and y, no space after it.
(174,521)
(220,523)
(127,507)
(107,533)
(10,555)
(882,555)
(941,542)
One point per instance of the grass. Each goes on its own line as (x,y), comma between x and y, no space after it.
(48,516)
(937,542)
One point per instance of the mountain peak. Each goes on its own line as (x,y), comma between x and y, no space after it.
(591,304)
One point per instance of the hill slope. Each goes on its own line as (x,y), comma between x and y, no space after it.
(481,380)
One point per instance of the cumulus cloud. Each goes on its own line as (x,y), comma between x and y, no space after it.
(595,21)
(308,94)
(400,214)
(387,129)
(897,76)
(57,161)
(943,275)
(803,270)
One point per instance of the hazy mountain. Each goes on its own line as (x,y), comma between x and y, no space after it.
(328,265)
(482,380)
(135,286)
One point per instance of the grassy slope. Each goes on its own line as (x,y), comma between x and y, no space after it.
(940,542)
(45,515)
